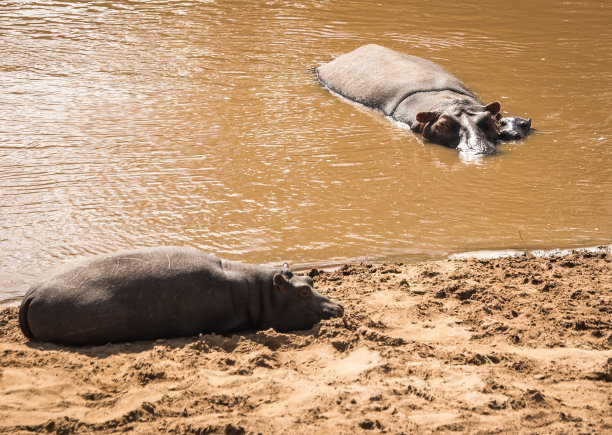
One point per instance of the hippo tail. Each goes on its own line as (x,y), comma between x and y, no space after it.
(23,317)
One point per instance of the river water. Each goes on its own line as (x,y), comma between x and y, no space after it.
(139,123)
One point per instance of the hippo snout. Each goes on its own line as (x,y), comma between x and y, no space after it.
(472,140)
(476,146)
(511,135)
(514,128)
(332,310)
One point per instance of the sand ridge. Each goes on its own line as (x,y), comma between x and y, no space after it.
(518,344)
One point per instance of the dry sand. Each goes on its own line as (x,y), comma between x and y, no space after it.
(511,344)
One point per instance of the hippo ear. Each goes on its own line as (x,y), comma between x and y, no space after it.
(498,117)
(425,117)
(493,108)
(280,283)
(286,271)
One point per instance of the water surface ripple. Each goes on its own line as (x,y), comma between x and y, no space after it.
(200,123)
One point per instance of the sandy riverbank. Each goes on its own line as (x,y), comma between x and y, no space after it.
(511,344)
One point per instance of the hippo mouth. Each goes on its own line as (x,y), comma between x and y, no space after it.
(511,135)
(474,146)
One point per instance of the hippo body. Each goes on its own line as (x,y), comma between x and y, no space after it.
(415,92)
(166,292)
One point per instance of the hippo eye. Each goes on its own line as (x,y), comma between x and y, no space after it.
(304,292)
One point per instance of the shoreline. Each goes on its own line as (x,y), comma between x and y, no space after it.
(479,254)
(519,343)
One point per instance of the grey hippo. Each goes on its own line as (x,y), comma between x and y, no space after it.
(161,292)
(418,93)
(514,128)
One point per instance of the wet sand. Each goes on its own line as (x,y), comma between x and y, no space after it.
(520,344)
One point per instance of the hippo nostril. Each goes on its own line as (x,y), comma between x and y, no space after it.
(339,311)
(330,311)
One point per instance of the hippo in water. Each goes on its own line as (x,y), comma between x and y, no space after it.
(166,292)
(418,93)
(514,128)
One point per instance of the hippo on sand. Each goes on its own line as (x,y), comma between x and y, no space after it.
(418,93)
(160,292)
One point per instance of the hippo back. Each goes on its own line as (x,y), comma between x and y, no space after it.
(381,78)
(140,294)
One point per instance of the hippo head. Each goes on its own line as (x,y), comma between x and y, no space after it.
(296,304)
(472,129)
(514,128)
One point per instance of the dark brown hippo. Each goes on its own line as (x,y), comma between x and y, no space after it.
(166,292)
(416,92)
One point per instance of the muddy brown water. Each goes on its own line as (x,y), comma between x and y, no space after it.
(200,123)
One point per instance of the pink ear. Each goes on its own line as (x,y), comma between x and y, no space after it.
(425,117)
(281,283)
(493,108)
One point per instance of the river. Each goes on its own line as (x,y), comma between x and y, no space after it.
(137,123)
